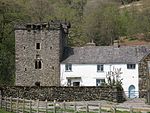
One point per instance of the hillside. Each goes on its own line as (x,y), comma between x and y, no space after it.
(137,39)
(101,21)
(140,5)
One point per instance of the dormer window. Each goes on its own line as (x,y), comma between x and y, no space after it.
(38,45)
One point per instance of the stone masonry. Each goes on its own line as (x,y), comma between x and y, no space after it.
(39,49)
(51,93)
(143,76)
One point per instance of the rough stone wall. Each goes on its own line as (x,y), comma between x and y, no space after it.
(64,93)
(49,54)
(143,75)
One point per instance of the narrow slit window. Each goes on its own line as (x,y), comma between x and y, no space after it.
(38,64)
(38,45)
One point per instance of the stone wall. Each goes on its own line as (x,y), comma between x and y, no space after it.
(64,93)
(143,76)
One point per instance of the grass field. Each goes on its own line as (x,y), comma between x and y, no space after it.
(3,111)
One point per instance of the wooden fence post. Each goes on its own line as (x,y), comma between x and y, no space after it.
(0,101)
(99,108)
(114,109)
(75,107)
(87,108)
(17,105)
(131,109)
(46,106)
(148,96)
(5,100)
(54,104)
(11,104)
(38,106)
(23,107)
(30,104)
(64,105)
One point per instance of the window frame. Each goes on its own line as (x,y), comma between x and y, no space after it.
(101,81)
(38,64)
(68,67)
(100,68)
(38,45)
(131,66)
(76,84)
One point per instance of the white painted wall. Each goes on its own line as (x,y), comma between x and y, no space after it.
(89,74)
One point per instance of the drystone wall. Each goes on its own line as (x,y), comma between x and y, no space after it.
(143,76)
(64,93)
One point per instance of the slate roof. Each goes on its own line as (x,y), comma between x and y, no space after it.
(105,54)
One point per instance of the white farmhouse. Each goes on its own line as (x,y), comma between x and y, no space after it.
(89,65)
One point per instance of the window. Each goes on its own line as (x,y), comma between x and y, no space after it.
(38,46)
(37,56)
(99,82)
(38,64)
(37,83)
(76,83)
(28,28)
(130,66)
(68,67)
(100,68)
(53,67)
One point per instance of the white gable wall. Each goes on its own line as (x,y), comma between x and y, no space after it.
(88,74)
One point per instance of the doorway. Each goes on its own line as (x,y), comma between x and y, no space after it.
(131,91)
(76,83)
(73,81)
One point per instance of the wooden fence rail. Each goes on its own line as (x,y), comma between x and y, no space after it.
(19,105)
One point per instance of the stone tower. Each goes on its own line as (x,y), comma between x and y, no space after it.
(39,49)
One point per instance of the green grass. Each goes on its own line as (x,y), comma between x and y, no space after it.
(132,38)
(71,110)
(3,111)
(126,112)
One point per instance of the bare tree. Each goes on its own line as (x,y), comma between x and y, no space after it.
(40,10)
(113,77)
